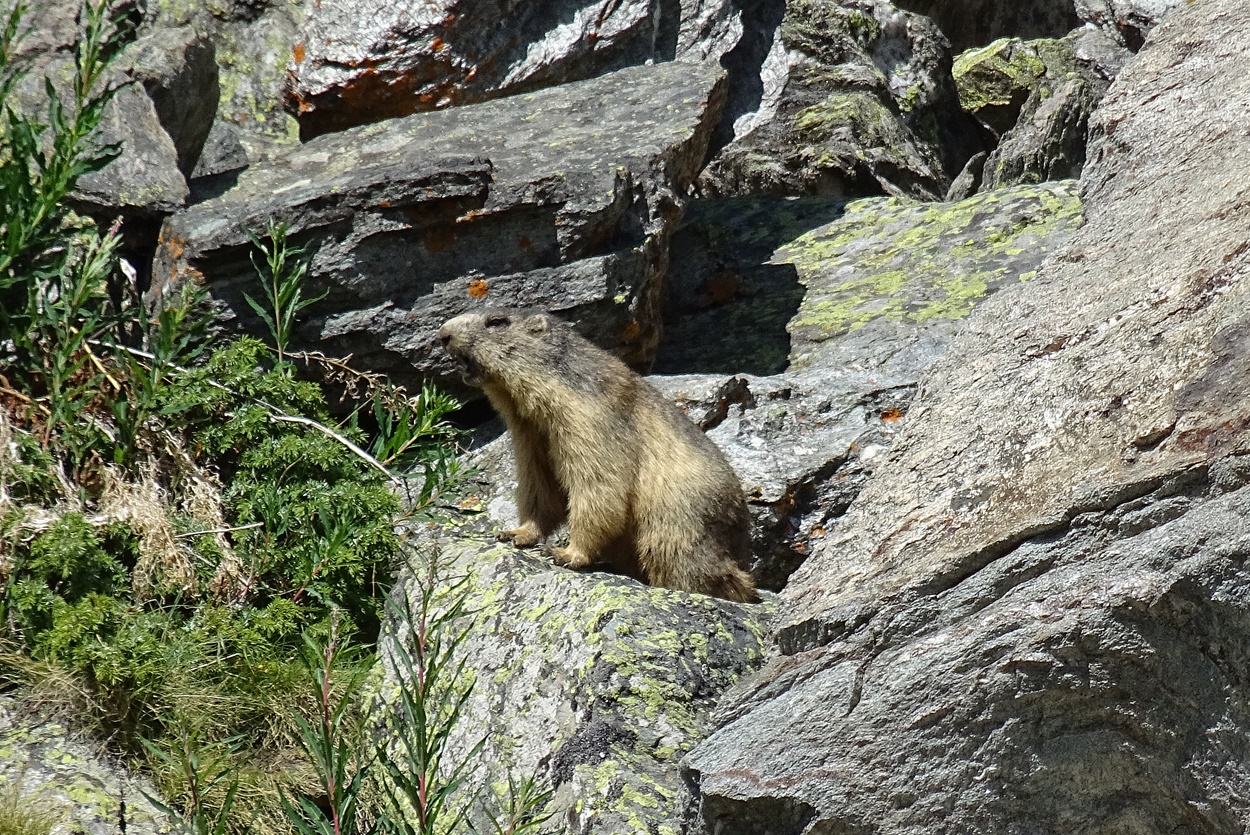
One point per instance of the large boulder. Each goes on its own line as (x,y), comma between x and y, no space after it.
(596,684)
(357,62)
(1038,97)
(864,105)
(145,182)
(564,198)
(252,43)
(1024,622)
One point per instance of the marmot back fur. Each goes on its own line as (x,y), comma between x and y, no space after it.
(639,484)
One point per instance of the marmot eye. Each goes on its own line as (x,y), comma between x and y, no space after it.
(496,321)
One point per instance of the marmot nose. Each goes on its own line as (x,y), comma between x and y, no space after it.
(444,339)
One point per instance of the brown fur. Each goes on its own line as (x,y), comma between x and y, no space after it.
(638,483)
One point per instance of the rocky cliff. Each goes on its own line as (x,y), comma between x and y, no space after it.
(960,289)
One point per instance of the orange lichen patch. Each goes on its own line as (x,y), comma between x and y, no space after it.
(175,247)
(472,72)
(299,52)
(478,288)
(469,502)
(384,204)
(631,331)
(438,45)
(818,531)
(891,416)
(469,215)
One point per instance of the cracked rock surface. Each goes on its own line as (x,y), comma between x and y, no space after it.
(565,198)
(1030,620)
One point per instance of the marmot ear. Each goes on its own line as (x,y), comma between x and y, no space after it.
(537,324)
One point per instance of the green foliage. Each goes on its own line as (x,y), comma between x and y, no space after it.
(327,742)
(211,784)
(298,549)
(324,535)
(36,176)
(427,631)
(26,471)
(283,275)
(176,337)
(520,809)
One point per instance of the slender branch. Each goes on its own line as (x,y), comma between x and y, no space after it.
(219,530)
(369,459)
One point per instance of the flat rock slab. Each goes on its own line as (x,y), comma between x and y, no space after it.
(891,281)
(1029,619)
(357,61)
(565,199)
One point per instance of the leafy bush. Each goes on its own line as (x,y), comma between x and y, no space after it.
(177,525)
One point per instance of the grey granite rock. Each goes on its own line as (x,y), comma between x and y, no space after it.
(867,106)
(564,198)
(178,70)
(1044,97)
(253,41)
(594,683)
(50,773)
(1029,619)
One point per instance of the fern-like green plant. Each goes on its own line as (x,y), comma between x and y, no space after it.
(212,784)
(427,629)
(330,746)
(521,809)
(53,276)
(36,176)
(283,273)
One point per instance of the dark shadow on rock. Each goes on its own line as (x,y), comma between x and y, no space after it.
(745,65)
(728,305)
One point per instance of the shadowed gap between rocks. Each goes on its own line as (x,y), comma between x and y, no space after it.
(728,305)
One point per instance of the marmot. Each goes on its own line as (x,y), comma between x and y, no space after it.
(639,484)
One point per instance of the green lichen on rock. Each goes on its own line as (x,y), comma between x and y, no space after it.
(869,121)
(998,74)
(896,259)
(822,29)
(598,682)
(45,765)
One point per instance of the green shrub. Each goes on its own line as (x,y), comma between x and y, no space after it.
(210,519)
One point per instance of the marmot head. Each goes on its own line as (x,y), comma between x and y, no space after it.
(498,343)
